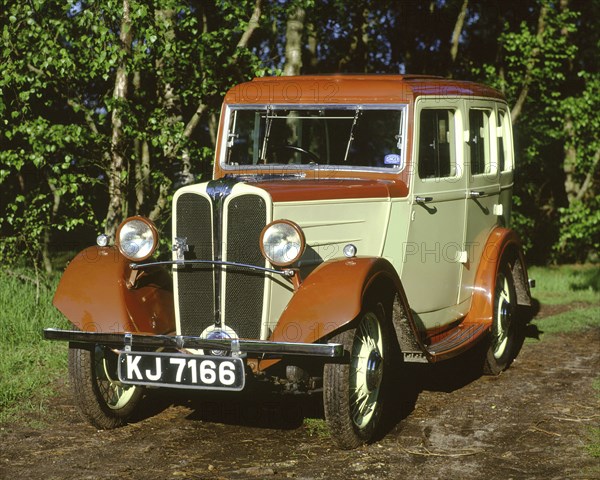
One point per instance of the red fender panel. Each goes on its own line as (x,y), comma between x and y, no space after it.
(94,296)
(329,298)
(501,242)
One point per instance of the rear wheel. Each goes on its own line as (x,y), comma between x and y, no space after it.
(504,342)
(353,392)
(101,398)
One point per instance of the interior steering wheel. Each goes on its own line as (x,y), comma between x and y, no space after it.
(296,148)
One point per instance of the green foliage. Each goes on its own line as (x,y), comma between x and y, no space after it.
(579,231)
(65,133)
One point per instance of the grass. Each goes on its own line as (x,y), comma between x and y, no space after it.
(576,286)
(316,427)
(566,284)
(28,364)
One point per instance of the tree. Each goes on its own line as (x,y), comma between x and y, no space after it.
(110,97)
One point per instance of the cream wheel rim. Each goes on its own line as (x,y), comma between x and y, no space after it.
(115,394)
(503,317)
(366,370)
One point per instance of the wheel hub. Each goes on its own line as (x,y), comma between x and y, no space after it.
(374,370)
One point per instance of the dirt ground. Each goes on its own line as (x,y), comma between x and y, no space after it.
(531,422)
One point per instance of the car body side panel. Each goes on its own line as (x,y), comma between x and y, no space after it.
(93,294)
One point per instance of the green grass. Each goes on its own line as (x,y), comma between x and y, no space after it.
(573,285)
(316,427)
(566,284)
(28,364)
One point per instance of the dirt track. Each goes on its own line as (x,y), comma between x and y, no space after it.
(532,422)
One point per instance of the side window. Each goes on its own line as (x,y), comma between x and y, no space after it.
(437,144)
(479,141)
(504,150)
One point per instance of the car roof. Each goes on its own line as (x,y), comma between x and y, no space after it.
(344,89)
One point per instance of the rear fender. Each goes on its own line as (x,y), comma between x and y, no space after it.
(95,295)
(503,245)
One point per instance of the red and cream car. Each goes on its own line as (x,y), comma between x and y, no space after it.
(354,223)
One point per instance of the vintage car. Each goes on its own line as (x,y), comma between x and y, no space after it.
(353,224)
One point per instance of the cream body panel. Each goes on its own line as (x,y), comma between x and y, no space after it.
(395,245)
(443,316)
(432,271)
(329,225)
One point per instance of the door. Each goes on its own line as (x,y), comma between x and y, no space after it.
(484,159)
(432,267)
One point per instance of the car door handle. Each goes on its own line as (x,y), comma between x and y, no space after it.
(476,194)
(420,199)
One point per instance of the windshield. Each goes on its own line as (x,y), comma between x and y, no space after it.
(353,136)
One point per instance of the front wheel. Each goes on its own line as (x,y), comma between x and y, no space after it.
(506,331)
(101,398)
(353,392)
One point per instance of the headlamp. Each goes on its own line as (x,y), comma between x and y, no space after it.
(137,238)
(282,242)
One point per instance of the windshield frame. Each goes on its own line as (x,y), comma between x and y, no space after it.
(351,107)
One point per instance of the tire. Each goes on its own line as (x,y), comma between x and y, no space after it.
(101,399)
(506,331)
(353,393)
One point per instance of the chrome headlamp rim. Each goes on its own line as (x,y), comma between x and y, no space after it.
(301,239)
(151,228)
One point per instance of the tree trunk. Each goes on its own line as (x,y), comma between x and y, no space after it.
(141,158)
(117,170)
(458,26)
(293,43)
(252,25)
(56,198)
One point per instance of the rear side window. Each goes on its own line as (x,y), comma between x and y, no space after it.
(437,144)
(479,141)
(504,150)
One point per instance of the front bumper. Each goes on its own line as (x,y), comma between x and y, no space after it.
(262,348)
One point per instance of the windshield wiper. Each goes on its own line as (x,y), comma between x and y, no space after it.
(269,122)
(352,133)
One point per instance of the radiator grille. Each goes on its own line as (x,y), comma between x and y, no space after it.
(196,283)
(244,289)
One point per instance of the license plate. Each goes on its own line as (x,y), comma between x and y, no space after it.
(181,371)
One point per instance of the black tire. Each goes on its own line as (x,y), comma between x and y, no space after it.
(353,393)
(101,399)
(506,332)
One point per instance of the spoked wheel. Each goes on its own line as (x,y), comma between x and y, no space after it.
(353,392)
(504,342)
(101,398)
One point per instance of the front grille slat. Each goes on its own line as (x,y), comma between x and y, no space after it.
(196,288)
(244,289)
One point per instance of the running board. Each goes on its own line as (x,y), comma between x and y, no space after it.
(460,339)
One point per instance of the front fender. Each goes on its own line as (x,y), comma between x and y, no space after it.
(94,295)
(330,297)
